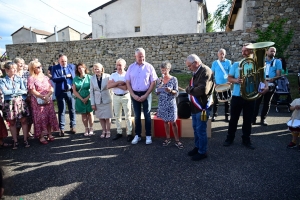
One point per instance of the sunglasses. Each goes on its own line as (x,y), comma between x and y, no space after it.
(38,67)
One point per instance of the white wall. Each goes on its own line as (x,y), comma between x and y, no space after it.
(155,17)
(239,20)
(169,17)
(23,36)
(117,19)
(40,38)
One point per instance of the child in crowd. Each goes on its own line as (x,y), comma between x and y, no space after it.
(294,123)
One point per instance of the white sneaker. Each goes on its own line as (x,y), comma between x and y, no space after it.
(136,139)
(148,140)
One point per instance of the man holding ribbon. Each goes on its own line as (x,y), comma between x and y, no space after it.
(221,69)
(200,93)
(272,73)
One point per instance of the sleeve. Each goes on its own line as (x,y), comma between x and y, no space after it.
(278,65)
(153,75)
(232,69)
(30,83)
(293,103)
(5,90)
(92,94)
(127,75)
(55,77)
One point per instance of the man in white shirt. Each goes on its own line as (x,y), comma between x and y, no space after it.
(121,99)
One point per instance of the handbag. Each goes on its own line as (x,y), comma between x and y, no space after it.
(40,101)
(79,89)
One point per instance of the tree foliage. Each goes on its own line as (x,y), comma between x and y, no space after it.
(275,32)
(210,23)
(221,14)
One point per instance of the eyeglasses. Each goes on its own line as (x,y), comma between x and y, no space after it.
(190,64)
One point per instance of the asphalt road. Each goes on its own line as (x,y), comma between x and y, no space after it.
(78,167)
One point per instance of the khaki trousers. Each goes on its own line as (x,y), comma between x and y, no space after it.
(124,102)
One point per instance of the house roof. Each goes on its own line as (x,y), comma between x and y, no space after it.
(235,6)
(36,31)
(102,6)
(89,36)
(62,30)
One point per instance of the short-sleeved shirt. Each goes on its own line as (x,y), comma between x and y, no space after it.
(118,77)
(235,72)
(141,76)
(274,65)
(218,72)
(296,113)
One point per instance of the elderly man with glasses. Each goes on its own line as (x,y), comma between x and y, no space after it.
(200,91)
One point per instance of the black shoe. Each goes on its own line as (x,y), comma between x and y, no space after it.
(129,138)
(227,143)
(113,121)
(227,119)
(248,145)
(199,156)
(117,136)
(213,118)
(193,152)
(62,133)
(264,123)
(73,130)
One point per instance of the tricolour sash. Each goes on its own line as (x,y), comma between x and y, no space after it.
(197,104)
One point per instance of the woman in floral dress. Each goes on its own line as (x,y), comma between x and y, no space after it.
(167,89)
(44,118)
(15,107)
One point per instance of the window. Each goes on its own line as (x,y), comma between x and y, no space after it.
(63,34)
(137,29)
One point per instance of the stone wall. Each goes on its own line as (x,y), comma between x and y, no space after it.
(174,48)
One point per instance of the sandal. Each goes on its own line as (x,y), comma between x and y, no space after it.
(103,134)
(26,144)
(51,139)
(91,131)
(179,145)
(15,146)
(42,142)
(5,145)
(167,142)
(107,134)
(86,133)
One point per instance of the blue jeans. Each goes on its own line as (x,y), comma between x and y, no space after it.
(200,133)
(137,114)
(62,98)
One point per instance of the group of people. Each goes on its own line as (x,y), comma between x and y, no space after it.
(28,98)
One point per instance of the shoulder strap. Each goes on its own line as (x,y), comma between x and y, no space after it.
(222,68)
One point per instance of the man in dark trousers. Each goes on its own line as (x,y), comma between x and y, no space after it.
(63,75)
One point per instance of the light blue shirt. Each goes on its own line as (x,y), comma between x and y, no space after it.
(235,72)
(218,72)
(14,88)
(273,68)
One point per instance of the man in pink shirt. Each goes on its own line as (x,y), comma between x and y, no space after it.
(140,80)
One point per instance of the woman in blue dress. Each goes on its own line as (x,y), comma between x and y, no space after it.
(167,89)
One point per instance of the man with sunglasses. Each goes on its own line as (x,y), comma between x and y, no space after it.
(63,75)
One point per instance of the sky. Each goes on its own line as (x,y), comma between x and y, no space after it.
(45,14)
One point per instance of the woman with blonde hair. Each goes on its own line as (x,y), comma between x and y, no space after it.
(41,90)
(15,107)
(81,90)
(101,99)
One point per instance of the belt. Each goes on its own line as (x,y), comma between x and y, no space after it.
(66,90)
(120,94)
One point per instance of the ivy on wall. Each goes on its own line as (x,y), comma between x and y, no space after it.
(275,32)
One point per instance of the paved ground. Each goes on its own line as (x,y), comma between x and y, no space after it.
(77,167)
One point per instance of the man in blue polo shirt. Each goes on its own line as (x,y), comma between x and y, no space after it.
(272,73)
(63,75)
(239,104)
(221,69)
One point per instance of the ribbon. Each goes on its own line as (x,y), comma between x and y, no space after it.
(197,104)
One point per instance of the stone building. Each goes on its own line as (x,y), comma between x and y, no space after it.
(131,18)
